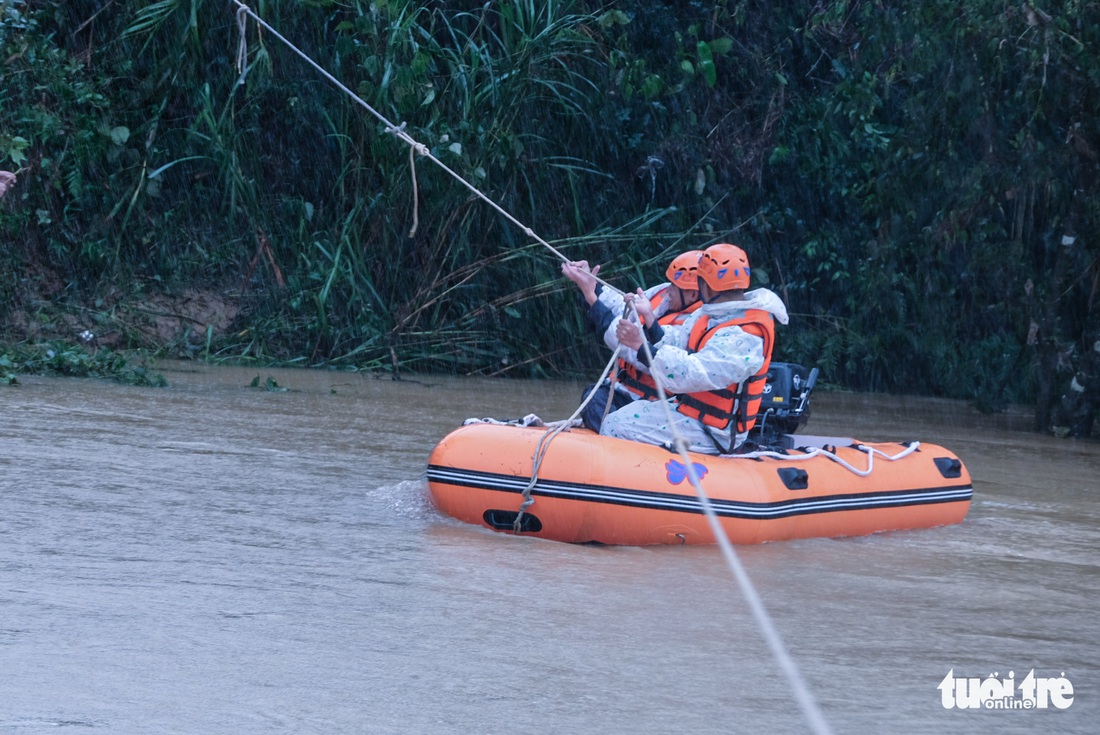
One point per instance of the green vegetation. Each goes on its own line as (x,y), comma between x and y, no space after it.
(59,358)
(919,181)
(269,384)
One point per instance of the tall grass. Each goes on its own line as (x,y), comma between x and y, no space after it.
(908,199)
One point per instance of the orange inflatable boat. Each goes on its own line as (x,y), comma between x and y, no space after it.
(593,488)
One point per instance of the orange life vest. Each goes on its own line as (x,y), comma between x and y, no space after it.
(640,383)
(716,408)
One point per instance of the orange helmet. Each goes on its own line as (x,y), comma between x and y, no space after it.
(724,267)
(683,270)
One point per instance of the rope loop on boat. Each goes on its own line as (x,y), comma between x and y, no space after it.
(811,452)
(544,442)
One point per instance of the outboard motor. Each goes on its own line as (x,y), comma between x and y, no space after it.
(785,405)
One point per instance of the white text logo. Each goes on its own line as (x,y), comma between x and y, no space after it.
(1033,692)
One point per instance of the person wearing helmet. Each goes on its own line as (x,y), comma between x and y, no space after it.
(669,304)
(712,365)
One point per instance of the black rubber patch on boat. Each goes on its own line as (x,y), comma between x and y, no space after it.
(949,466)
(505,520)
(794,478)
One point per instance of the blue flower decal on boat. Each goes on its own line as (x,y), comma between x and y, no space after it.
(677,471)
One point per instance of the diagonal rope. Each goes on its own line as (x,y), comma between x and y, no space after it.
(398,131)
(810,709)
(802,693)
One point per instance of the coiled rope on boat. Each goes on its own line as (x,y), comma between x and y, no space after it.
(814,717)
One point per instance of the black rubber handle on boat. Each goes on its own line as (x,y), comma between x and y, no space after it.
(810,381)
(807,389)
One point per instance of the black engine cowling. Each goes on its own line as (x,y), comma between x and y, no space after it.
(785,405)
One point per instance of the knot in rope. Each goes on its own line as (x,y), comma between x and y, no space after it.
(397,130)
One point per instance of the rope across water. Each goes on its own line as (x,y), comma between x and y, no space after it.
(398,131)
(814,717)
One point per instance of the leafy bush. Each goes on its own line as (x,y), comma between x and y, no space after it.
(75,361)
(918,181)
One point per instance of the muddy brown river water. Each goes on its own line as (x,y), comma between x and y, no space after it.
(214,558)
